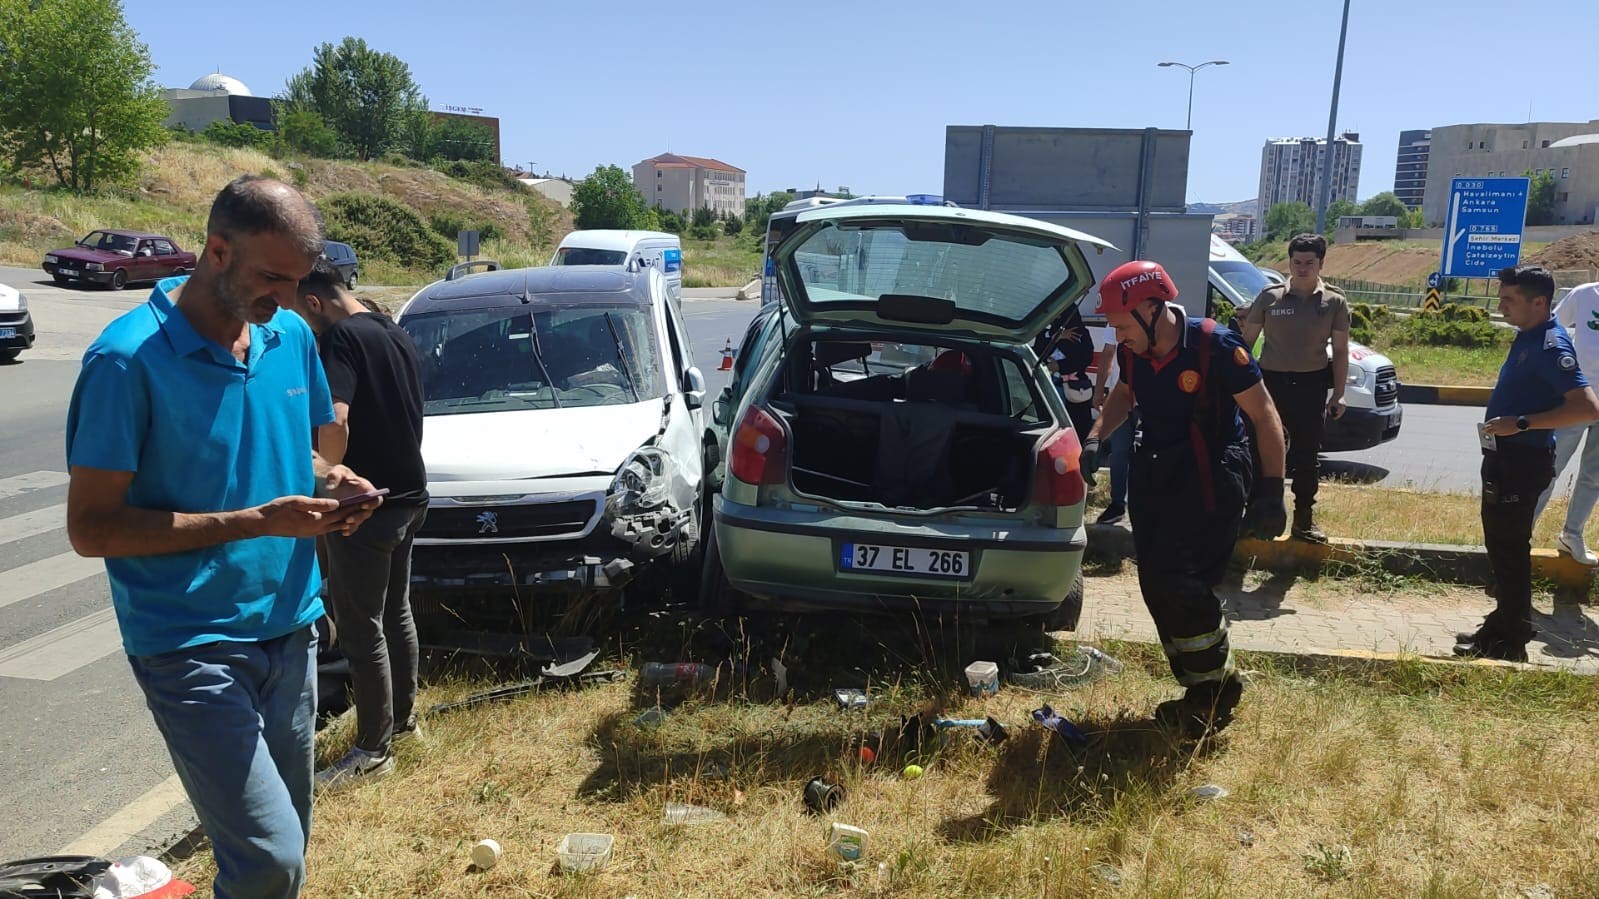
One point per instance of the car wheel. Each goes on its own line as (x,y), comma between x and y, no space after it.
(1065,616)
(62,280)
(119,279)
(718,597)
(349,283)
(9,356)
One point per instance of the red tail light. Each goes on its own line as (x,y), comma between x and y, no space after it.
(760,449)
(1058,480)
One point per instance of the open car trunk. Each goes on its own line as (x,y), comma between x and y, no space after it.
(916,438)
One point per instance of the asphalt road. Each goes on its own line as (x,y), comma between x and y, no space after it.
(81,766)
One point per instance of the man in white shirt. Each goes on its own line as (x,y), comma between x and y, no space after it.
(1578,312)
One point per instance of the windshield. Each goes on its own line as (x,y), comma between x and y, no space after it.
(105,240)
(989,275)
(1242,277)
(490,360)
(589,256)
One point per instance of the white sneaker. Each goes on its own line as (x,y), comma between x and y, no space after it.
(357,764)
(1572,545)
(408,732)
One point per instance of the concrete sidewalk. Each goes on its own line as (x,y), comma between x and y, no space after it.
(1286,614)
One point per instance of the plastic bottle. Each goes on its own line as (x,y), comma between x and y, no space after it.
(1109,664)
(661,674)
(683,813)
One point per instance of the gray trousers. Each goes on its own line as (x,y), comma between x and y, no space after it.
(369,586)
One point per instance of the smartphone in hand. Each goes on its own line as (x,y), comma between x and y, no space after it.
(360,498)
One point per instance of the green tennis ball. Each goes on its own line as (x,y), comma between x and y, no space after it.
(913,771)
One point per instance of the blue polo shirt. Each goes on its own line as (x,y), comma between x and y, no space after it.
(204,432)
(1167,390)
(1539,371)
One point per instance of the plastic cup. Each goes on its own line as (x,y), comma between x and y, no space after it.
(486,854)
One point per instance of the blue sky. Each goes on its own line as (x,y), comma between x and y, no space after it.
(858,93)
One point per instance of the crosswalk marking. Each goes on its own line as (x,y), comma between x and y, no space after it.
(17,485)
(64,649)
(30,523)
(27,581)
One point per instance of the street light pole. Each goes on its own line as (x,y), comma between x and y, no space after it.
(1189,125)
(1332,123)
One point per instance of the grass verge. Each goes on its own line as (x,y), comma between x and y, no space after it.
(1414,779)
(1446,365)
(725,262)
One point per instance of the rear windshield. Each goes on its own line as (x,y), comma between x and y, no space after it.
(988,274)
(496,359)
(589,256)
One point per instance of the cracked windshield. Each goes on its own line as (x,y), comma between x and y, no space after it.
(497,359)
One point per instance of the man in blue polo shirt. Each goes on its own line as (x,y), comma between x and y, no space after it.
(1540,389)
(192,475)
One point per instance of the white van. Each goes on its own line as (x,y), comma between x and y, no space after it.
(1372,414)
(646,248)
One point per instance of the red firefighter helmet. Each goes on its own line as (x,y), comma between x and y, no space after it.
(1131,283)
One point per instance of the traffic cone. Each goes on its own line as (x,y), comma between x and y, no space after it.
(727,356)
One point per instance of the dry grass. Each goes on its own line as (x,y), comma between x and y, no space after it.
(1370,512)
(1413,780)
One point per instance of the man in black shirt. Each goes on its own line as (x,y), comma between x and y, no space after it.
(375,377)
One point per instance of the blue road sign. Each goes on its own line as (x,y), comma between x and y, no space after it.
(1482,232)
(1435,280)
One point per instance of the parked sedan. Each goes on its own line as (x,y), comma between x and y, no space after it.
(342,255)
(892,442)
(116,259)
(16,324)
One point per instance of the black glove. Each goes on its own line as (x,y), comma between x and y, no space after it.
(1088,460)
(1267,516)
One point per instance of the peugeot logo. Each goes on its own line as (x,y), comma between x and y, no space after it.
(488,523)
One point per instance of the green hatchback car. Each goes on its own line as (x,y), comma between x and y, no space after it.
(889,441)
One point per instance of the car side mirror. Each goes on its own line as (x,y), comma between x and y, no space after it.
(693,388)
(723,406)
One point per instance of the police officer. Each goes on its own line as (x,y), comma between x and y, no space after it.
(1540,388)
(1191,475)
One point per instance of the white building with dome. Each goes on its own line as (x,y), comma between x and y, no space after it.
(215,98)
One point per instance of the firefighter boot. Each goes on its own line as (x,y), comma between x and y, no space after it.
(1305,527)
(1202,710)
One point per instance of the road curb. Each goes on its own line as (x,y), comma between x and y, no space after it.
(1441,395)
(1460,564)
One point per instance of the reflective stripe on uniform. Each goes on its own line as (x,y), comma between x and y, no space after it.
(1200,643)
(1213,676)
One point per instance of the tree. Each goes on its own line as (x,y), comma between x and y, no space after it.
(1284,220)
(75,91)
(1336,210)
(1386,203)
(418,135)
(364,95)
(732,226)
(1540,198)
(759,208)
(606,199)
(455,138)
(304,130)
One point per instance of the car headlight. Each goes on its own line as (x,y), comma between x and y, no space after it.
(22,302)
(95,267)
(50,260)
(642,481)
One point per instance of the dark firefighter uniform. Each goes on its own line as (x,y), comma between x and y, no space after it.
(1190,478)
(1539,371)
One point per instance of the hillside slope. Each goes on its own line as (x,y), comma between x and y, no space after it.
(174,189)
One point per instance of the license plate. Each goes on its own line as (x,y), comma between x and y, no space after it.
(69,272)
(7,332)
(909,560)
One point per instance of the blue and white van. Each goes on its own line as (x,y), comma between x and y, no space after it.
(626,248)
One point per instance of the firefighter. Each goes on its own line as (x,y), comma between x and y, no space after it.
(1189,494)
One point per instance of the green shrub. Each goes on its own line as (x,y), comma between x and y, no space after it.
(732,226)
(482,172)
(380,228)
(1222,310)
(1434,329)
(702,232)
(449,225)
(237,134)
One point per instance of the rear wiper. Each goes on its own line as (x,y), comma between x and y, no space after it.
(538,356)
(621,360)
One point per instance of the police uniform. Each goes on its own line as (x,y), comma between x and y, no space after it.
(1538,373)
(1191,475)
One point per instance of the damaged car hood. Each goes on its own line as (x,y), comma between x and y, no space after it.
(536,443)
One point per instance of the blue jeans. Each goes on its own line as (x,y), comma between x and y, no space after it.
(1120,458)
(238,720)
(1586,492)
